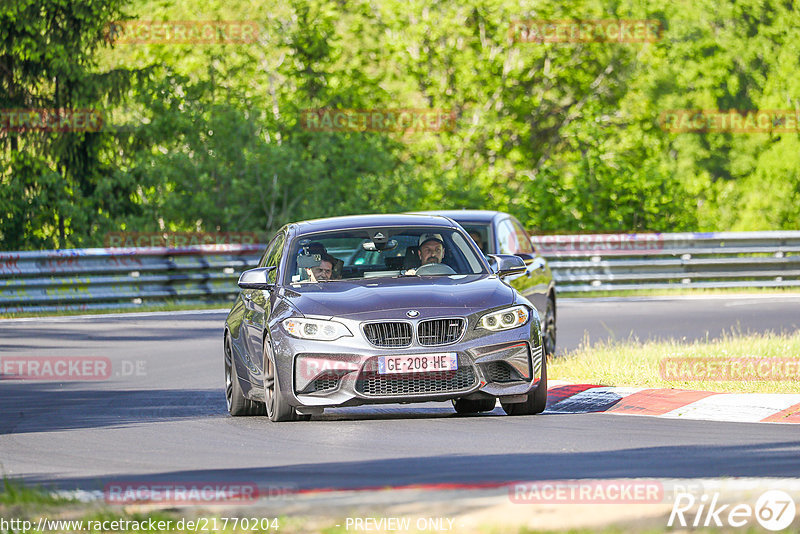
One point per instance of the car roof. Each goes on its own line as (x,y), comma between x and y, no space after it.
(377,220)
(467,215)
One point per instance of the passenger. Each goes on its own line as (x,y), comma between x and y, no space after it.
(477,238)
(322,272)
(336,273)
(316,247)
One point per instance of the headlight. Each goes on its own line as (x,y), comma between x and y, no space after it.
(505,319)
(315,329)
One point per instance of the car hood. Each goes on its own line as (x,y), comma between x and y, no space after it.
(392,297)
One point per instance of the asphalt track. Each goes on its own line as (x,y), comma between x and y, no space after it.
(161,416)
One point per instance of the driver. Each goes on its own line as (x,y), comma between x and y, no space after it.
(431,249)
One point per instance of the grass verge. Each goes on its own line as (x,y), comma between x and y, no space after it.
(708,365)
(15,494)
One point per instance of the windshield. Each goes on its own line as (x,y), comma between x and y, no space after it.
(381,252)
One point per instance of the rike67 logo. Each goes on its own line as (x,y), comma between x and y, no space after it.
(774,510)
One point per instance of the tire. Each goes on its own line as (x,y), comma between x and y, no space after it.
(276,407)
(537,399)
(470,406)
(549,328)
(237,404)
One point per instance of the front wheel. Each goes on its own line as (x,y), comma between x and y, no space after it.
(278,410)
(549,327)
(237,404)
(536,401)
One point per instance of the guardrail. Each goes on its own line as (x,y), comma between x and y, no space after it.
(604,262)
(120,278)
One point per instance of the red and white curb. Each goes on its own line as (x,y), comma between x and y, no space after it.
(675,403)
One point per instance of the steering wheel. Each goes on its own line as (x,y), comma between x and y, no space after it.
(434,268)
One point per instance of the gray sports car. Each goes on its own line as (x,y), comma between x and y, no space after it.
(381,309)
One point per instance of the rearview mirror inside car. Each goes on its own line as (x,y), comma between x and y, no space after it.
(308,261)
(372,246)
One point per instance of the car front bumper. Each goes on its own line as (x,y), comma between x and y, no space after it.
(345,372)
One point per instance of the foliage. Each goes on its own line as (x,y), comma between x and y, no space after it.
(54,183)
(13,492)
(566,136)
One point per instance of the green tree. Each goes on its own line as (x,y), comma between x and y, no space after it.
(55,183)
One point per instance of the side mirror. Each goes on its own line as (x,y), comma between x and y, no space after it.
(538,263)
(506,264)
(532,262)
(526,257)
(256,278)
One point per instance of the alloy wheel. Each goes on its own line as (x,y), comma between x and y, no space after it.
(228,377)
(269,383)
(549,328)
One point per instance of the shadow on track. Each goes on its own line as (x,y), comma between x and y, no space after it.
(66,335)
(46,407)
(774,459)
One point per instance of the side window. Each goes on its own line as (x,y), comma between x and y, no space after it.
(523,241)
(274,255)
(506,238)
(459,255)
(263,261)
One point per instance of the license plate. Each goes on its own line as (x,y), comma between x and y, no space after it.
(417,363)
